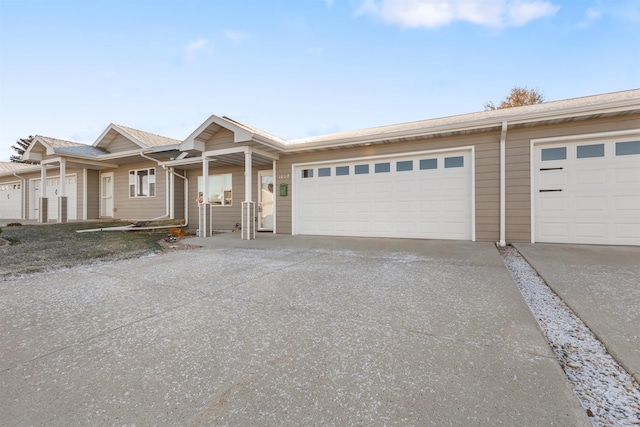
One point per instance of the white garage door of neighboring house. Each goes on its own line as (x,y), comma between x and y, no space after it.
(53,191)
(422,196)
(587,192)
(11,200)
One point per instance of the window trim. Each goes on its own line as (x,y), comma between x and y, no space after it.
(150,185)
(223,200)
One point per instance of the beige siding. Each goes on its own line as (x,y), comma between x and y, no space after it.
(93,194)
(121,143)
(221,139)
(178,195)
(518,178)
(134,208)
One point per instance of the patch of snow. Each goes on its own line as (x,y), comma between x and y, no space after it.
(605,389)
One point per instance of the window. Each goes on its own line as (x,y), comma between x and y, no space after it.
(627,148)
(404,166)
(142,183)
(383,167)
(361,169)
(559,153)
(342,170)
(454,162)
(324,171)
(219,190)
(428,164)
(307,173)
(587,151)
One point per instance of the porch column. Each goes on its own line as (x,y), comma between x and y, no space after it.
(248,207)
(62,197)
(276,192)
(42,201)
(203,203)
(171,192)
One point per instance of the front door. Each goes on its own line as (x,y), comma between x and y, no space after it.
(106,195)
(266,211)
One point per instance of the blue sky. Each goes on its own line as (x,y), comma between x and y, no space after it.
(296,68)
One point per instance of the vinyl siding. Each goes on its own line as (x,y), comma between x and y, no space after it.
(221,139)
(121,143)
(518,178)
(93,194)
(136,208)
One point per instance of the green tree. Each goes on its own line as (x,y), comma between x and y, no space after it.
(20,147)
(519,96)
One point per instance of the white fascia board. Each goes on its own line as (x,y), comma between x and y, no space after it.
(182,162)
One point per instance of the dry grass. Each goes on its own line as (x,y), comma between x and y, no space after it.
(36,248)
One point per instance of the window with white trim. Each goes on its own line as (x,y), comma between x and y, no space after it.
(142,182)
(220,190)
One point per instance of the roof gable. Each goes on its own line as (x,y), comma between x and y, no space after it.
(117,138)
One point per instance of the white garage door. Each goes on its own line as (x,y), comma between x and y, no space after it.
(53,191)
(587,193)
(11,200)
(423,196)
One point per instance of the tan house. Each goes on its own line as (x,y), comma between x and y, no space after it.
(562,172)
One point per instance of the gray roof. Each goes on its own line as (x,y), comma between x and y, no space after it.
(255,131)
(9,168)
(147,138)
(526,113)
(58,143)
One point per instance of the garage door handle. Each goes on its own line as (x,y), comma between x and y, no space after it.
(551,169)
(550,191)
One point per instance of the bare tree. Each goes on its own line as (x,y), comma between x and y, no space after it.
(519,96)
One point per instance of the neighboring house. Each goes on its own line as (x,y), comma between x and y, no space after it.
(564,172)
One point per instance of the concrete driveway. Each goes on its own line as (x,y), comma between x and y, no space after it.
(601,284)
(281,331)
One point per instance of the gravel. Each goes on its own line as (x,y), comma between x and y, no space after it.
(608,393)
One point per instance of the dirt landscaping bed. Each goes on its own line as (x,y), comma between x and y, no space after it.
(35,248)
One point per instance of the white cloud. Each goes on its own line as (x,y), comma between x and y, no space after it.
(235,36)
(329,3)
(438,13)
(193,48)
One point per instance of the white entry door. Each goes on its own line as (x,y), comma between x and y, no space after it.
(265,201)
(106,195)
(419,196)
(587,192)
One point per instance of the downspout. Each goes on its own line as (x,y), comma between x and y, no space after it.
(503,186)
(166,205)
(23,191)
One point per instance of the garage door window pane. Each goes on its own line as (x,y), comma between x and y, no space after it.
(588,151)
(383,167)
(404,166)
(627,148)
(454,162)
(559,153)
(361,169)
(307,173)
(428,164)
(324,171)
(342,170)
